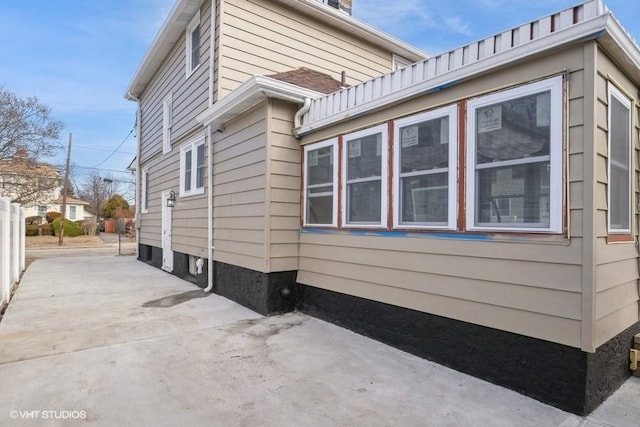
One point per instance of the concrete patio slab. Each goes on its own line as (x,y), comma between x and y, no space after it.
(122,343)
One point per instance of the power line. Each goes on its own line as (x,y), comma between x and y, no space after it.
(117,148)
(84,147)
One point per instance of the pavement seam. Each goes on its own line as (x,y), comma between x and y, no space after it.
(136,341)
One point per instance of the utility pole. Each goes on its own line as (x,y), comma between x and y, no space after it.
(64,194)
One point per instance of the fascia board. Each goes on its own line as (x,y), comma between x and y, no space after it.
(249,94)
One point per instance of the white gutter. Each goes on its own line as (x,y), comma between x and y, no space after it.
(251,93)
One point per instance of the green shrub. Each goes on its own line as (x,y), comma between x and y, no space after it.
(31,230)
(46,229)
(52,215)
(71,229)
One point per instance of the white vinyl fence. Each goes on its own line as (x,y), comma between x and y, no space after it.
(12,249)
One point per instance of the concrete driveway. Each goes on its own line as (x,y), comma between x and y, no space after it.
(109,341)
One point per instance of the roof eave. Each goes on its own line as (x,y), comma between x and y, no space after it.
(176,23)
(353,25)
(250,94)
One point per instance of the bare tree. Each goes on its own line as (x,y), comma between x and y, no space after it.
(26,128)
(95,191)
(27,134)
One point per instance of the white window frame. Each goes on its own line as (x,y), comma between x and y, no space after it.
(195,22)
(144,193)
(333,143)
(73,212)
(555,85)
(384,197)
(614,92)
(452,181)
(192,146)
(167,123)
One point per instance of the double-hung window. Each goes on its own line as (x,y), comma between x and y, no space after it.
(144,185)
(514,159)
(193,44)
(364,178)
(192,167)
(72,213)
(321,184)
(425,178)
(167,123)
(619,188)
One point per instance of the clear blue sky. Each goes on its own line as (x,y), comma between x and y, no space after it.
(78,56)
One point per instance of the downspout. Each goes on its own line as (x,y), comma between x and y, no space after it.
(297,119)
(209,211)
(138,200)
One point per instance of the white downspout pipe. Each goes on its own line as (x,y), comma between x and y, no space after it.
(209,210)
(138,198)
(297,119)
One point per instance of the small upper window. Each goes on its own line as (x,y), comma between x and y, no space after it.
(167,123)
(320,184)
(425,169)
(193,44)
(619,188)
(192,165)
(144,197)
(514,159)
(364,178)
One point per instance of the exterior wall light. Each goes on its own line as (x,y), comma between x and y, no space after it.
(171,200)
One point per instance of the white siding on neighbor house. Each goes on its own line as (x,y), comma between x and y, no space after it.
(239,191)
(284,188)
(262,37)
(190,97)
(616,290)
(531,287)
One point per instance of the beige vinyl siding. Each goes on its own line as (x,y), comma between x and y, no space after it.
(164,173)
(189,216)
(616,287)
(239,194)
(284,187)
(190,95)
(531,287)
(263,37)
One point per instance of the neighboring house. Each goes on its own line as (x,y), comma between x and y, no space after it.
(27,182)
(75,208)
(477,208)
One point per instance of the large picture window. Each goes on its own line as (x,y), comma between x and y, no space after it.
(192,166)
(425,158)
(619,188)
(320,184)
(364,178)
(514,155)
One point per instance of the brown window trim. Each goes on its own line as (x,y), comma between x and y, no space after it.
(620,238)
